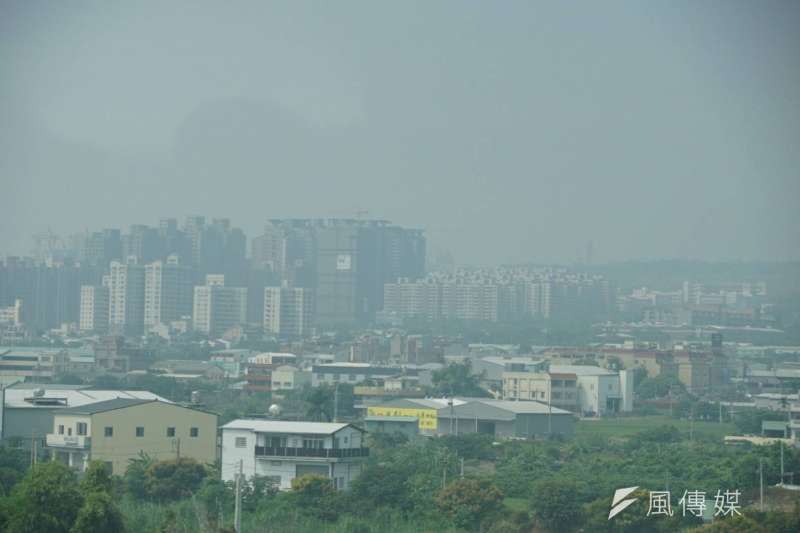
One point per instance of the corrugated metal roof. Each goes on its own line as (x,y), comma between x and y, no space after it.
(581,370)
(23,397)
(101,407)
(281,426)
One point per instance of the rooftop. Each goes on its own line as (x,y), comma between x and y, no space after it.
(281,426)
(101,407)
(54,396)
(581,370)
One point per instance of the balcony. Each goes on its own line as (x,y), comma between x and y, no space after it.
(324,453)
(78,442)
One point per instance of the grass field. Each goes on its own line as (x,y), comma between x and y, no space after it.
(625,427)
(516,504)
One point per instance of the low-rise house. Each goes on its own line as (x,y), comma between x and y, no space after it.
(405,425)
(287,377)
(456,416)
(579,388)
(118,430)
(282,451)
(27,409)
(351,373)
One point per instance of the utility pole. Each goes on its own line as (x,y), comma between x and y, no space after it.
(33,449)
(549,406)
(671,414)
(720,410)
(452,412)
(336,403)
(781,443)
(237,510)
(178,448)
(761,485)
(462,467)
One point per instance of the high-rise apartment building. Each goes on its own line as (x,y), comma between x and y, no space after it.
(126,297)
(94,309)
(167,292)
(218,308)
(288,311)
(345,261)
(102,247)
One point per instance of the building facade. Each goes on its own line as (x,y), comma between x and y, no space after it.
(126,298)
(218,308)
(95,304)
(282,451)
(114,431)
(288,311)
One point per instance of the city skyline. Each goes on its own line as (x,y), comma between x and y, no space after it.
(653,131)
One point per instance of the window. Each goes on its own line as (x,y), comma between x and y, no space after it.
(170,432)
(240,442)
(140,431)
(82,428)
(314,444)
(194,432)
(351,377)
(276,442)
(61,429)
(108,431)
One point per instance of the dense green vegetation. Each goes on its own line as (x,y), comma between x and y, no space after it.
(511,486)
(629,426)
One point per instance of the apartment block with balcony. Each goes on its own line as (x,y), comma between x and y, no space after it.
(115,431)
(282,451)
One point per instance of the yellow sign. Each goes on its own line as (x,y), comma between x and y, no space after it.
(427,417)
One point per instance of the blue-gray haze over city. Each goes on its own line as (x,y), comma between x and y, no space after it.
(513,131)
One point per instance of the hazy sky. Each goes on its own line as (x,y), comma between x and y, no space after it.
(510,131)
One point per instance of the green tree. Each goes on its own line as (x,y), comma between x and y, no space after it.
(556,503)
(173,479)
(457,379)
(319,404)
(659,387)
(98,515)
(47,500)
(749,421)
(136,475)
(315,495)
(468,502)
(97,478)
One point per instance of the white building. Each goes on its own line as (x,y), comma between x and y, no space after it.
(584,389)
(217,307)
(126,297)
(287,377)
(288,311)
(282,451)
(94,309)
(12,315)
(351,373)
(167,292)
